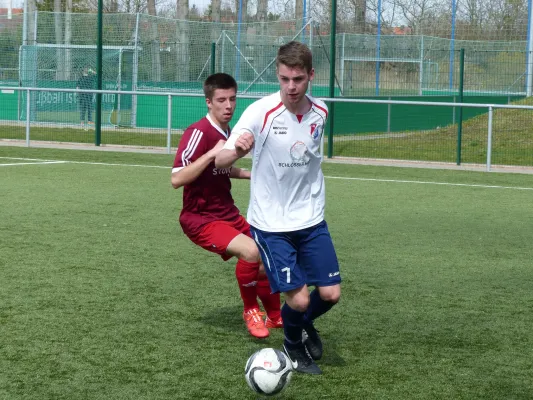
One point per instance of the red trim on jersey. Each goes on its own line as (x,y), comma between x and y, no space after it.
(321,108)
(268,114)
(299,117)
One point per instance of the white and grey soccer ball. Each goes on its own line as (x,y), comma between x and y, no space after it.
(268,371)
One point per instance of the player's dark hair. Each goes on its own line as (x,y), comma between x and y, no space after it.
(220,80)
(295,55)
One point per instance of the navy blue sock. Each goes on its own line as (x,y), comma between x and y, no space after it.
(292,326)
(317,307)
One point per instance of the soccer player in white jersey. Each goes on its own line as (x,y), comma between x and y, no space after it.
(286,210)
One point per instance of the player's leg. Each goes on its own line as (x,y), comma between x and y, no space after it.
(85,110)
(317,255)
(243,247)
(293,314)
(247,268)
(271,301)
(279,254)
(247,275)
(222,238)
(82,108)
(89,111)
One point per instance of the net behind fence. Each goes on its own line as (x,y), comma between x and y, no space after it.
(177,54)
(63,66)
(148,53)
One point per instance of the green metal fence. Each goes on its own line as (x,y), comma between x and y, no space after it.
(143,55)
(369,128)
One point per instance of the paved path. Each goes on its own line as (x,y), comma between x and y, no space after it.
(341,160)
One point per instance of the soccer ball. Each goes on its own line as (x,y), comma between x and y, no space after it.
(268,371)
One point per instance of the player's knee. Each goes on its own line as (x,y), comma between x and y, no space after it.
(300,305)
(298,302)
(330,294)
(334,298)
(251,254)
(262,269)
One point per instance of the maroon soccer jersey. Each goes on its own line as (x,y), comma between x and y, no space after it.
(208,198)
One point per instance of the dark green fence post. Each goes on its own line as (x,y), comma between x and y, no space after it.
(332,76)
(460,120)
(98,107)
(213,55)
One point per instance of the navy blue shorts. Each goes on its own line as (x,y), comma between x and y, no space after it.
(294,259)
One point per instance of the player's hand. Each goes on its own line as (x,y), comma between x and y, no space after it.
(215,150)
(244,144)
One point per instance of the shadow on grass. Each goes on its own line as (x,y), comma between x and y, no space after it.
(227,318)
(331,356)
(230,320)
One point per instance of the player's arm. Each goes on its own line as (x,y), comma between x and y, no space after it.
(190,172)
(237,146)
(239,173)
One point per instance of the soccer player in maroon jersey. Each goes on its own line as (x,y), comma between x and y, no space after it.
(209,216)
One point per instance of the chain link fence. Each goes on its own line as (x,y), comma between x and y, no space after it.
(142,51)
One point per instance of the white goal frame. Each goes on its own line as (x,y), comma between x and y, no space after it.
(120,49)
(421,63)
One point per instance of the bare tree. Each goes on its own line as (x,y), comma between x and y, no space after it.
(299,10)
(182,47)
(58,28)
(215,17)
(472,12)
(351,14)
(283,8)
(389,14)
(113,6)
(419,14)
(154,43)
(242,6)
(116,6)
(360,16)
(320,12)
(262,11)
(68,39)
(358,10)
(508,17)
(151,7)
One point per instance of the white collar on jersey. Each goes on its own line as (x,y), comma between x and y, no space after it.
(218,128)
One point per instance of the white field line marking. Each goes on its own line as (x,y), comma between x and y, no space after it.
(328,177)
(88,163)
(432,183)
(33,163)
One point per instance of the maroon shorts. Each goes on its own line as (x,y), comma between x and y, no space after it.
(216,236)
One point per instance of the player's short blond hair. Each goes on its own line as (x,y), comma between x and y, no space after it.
(295,55)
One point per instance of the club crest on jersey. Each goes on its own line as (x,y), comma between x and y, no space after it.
(299,152)
(315,131)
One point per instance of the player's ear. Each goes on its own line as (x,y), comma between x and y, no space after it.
(208,103)
(311,74)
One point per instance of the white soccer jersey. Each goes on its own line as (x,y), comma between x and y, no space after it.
(287,184)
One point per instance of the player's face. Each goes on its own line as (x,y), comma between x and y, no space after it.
(293,84)
(222,106)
